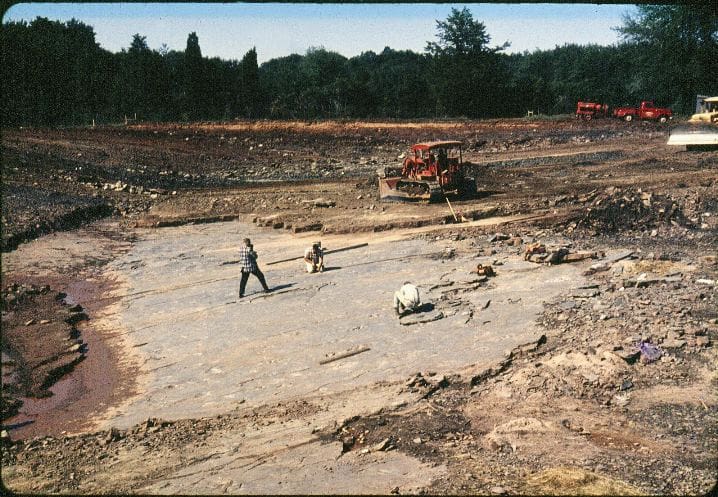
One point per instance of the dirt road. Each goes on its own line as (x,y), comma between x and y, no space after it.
(530,381)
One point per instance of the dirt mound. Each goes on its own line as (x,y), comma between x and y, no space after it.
(630,209)
(576,481)
(518,432)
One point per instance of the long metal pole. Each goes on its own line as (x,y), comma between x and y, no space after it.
(326,252)
(452,209)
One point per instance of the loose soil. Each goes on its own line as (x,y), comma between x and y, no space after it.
(580,410)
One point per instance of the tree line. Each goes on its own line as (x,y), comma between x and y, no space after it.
(55,73)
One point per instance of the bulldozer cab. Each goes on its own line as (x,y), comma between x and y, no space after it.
(435,159)
(706,110)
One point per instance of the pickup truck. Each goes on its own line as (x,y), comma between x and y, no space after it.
(646,111)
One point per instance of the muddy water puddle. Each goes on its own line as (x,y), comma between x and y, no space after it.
(100,379)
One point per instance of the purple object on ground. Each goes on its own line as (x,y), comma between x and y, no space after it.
(649,352)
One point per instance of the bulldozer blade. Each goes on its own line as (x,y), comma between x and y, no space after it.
(402,190)
(695,137)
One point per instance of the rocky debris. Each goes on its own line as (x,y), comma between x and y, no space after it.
(620,256)
(534,249)
(120,186)
(515,241)
(619,209)
(514,433)
(9,404)
(609,263)
(577,481)
(39,340)
(307,227)
(385,445)
(272,221)
(16,295)
(498,237)
(76,317)
(320,202)
(485,270)
(582,363)
(151,221)
(643,280)
(426,385)
(412,319)
(29,212)
(673,307)
(538,252)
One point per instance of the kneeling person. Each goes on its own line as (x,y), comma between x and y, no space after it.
(314,258)
(406,300)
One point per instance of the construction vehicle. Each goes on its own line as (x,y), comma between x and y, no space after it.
(701,133)
(589,110)
(429,172)
(647,110)
(706,110)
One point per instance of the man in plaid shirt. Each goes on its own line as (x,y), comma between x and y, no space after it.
(248,261)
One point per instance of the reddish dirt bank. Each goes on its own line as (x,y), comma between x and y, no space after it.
(63,367)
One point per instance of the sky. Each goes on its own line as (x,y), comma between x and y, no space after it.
(229,30)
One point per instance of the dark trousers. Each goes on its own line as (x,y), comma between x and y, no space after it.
(245,277)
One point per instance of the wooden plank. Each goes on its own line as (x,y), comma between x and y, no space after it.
(344,355)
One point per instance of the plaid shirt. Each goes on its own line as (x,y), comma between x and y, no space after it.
(247,259)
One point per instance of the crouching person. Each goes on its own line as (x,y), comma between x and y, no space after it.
(314,258)
(406,300)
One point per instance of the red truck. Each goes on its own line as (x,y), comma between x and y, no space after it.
(646,111)
(589,110)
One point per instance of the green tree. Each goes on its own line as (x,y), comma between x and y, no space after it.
(678,56)
(250,92)
(321,74)
(142,84)
(468,76)
(195,89)
(51,73)
(402,82)
(307,87)
(134,98)
(279,79)
(460,36)
(361,99)
(173,62)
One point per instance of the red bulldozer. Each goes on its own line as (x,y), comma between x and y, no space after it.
(430,171)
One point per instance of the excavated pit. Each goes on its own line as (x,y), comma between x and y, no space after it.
(265,395)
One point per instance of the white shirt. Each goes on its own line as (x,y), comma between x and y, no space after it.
(409,295)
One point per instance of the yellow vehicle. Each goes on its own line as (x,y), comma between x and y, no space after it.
(706,111)
(702,130)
